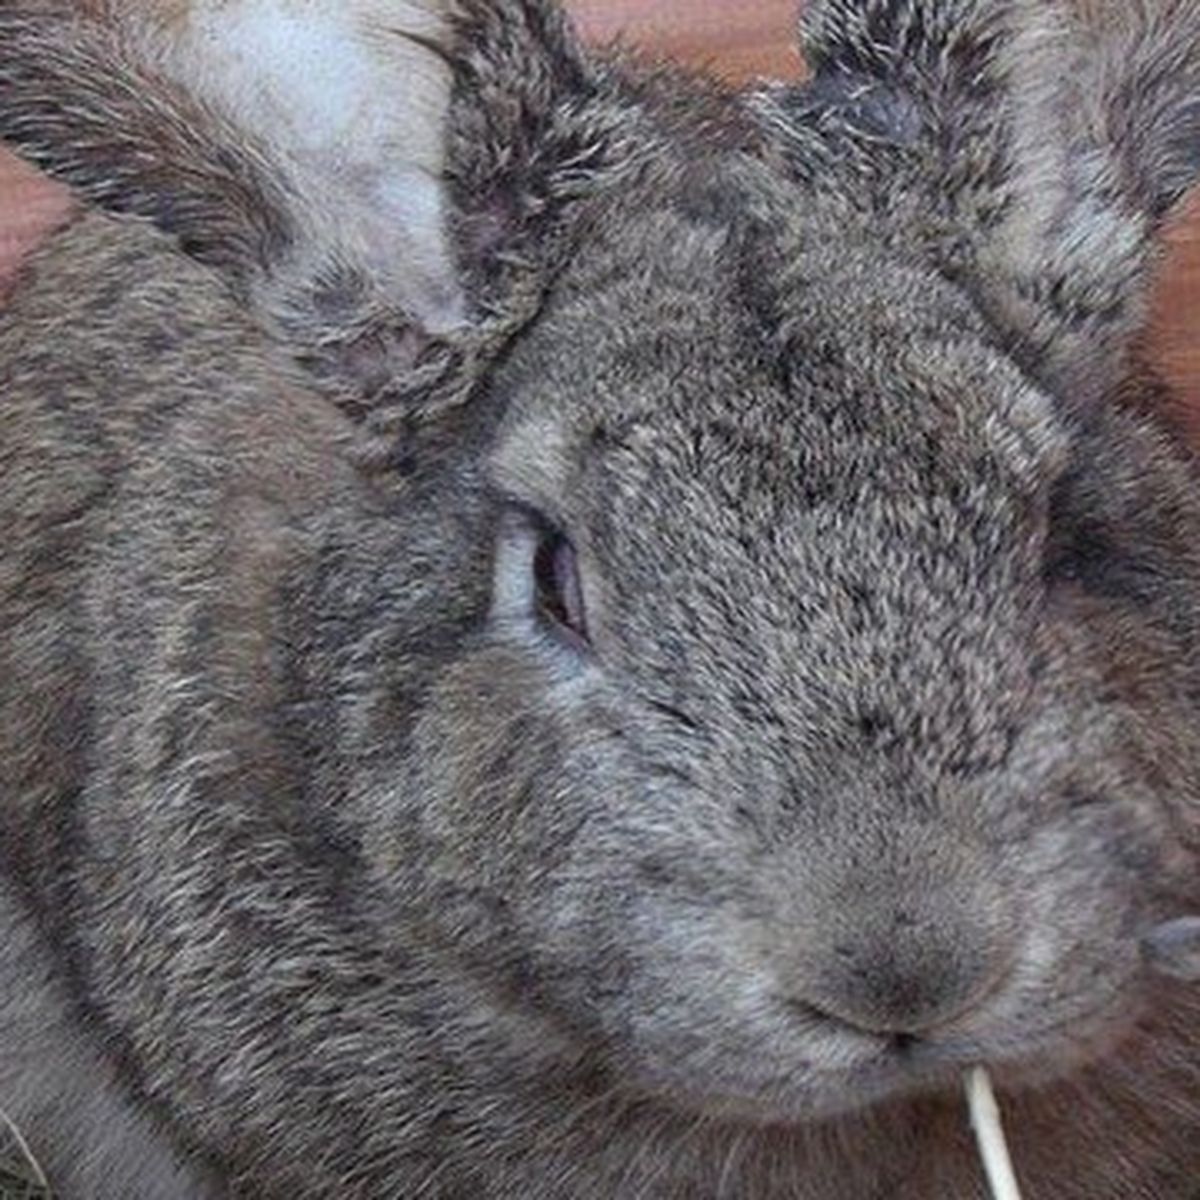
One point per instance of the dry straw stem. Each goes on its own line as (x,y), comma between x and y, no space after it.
(989,1133)
(21,1176)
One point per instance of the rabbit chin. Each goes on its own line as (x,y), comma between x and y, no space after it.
(840,1072)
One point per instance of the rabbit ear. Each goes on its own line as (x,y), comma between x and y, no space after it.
(1031,148)
(348,100)
(258,131)
(366,171)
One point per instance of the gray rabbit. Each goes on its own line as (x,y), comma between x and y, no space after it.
(569,633)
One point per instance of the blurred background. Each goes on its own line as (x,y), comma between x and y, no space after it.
(739,40)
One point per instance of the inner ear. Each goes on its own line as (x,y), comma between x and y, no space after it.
(351,98)
(383,182)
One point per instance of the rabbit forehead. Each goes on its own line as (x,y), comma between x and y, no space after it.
(775,466)
(752,368)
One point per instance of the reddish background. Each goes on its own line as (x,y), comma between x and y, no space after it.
(738,39)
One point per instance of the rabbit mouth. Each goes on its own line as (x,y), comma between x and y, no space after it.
(848,1072)
(1019,1058)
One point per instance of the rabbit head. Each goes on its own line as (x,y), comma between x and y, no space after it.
(733,657)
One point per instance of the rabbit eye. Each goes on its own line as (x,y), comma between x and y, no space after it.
(558,588)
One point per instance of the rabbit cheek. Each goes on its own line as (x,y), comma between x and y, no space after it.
(785,986)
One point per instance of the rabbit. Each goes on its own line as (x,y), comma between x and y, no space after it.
(570,631)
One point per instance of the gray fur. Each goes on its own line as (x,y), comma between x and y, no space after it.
(331,869)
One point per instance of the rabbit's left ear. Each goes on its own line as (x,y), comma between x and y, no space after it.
(381,180)
(1031,147)
(349,101)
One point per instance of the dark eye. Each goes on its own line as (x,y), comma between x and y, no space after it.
(557,585)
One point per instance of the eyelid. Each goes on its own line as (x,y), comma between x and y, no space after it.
(521,529)
(512,590)
(536,514)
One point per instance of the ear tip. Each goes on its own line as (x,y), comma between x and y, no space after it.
(1148,77)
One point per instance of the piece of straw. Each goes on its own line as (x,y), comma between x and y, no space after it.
(39,1176)
(989,1133)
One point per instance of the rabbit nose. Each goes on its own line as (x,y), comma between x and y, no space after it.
(908,978)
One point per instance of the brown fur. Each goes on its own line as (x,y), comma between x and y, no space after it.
(332,865)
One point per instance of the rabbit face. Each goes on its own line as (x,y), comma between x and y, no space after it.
(794,760)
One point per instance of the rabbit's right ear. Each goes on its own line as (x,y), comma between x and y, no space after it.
(365,172)
(1030,147)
